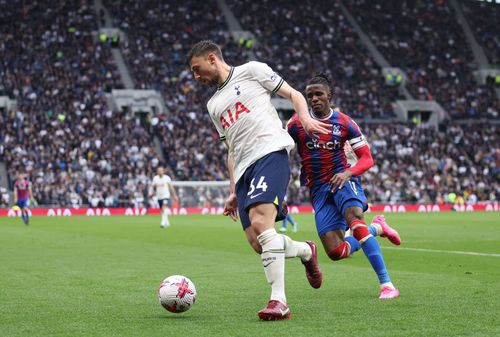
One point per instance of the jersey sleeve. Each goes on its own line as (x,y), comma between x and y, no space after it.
(293,128)
(355,136)
(266,76)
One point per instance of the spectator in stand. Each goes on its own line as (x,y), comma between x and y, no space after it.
(426,41)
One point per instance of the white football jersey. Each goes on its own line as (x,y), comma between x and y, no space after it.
(161,186)
(244,116)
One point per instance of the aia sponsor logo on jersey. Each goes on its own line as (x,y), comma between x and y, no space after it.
(229,118)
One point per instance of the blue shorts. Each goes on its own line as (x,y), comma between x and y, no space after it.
(162,202)
(329,208)
(22,203)
(265,181)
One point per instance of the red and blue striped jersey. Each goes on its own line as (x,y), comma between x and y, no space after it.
(22,187)
(323,156)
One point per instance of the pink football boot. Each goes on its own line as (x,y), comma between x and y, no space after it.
(388,292)
(387,231)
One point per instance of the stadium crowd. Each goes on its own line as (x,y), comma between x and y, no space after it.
(484,18)
(77,150)
(298,38)
(426,41)
(74,147)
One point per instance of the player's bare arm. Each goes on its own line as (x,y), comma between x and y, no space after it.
(30,191)
(300,106)
(172,191)
(231,203)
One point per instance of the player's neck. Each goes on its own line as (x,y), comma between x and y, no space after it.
(224,70)
(322,114)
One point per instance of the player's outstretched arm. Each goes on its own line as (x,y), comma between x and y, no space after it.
(300,106)
(231,203)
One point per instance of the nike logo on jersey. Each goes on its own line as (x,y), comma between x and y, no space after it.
(256,195)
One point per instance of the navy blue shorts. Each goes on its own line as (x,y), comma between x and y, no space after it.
(162,202)
(265,181)
(329,208)
(22,203)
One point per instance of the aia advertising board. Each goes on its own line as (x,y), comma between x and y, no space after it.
(402,208)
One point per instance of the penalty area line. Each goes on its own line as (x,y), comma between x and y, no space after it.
(443,251)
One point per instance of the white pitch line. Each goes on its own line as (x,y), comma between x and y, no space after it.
(443,251)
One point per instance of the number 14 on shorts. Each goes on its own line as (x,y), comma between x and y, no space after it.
(261,185)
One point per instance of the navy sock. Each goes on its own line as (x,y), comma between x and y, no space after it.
(373,252)
(355,245)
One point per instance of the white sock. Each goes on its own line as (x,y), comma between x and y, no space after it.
(377,227)
(273,260)
(387,284)
(296,248)
(164,218)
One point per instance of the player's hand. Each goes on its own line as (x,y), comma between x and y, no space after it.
(338,180)
(231,207)
(314,126)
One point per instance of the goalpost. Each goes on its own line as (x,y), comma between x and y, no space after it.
(202,193)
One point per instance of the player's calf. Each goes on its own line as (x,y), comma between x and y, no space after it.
(360,230)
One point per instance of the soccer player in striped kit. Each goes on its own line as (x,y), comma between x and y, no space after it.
(335,187)
(258,166)
(22,194)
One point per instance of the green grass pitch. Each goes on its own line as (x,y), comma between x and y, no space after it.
(85,276)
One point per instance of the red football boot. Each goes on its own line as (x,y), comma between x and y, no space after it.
(275,311)
(313,272)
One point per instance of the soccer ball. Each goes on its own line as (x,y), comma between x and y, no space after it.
(177,293)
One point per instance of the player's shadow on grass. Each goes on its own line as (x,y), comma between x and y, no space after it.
(173,317)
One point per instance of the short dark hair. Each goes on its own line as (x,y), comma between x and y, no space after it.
(204,47)
(321,78)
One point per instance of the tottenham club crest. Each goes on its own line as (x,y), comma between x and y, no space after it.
(336,130)
(237,88)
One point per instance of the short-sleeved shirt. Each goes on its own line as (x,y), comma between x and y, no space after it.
(244,116)
(22,187)
(161,184)
(323,155)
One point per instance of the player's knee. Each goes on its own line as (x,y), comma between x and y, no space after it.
(359,230)
(353,213)
(340,252)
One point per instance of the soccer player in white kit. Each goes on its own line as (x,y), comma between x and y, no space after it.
(164,189)
(258,166)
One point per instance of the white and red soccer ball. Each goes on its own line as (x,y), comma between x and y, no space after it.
(177,293)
